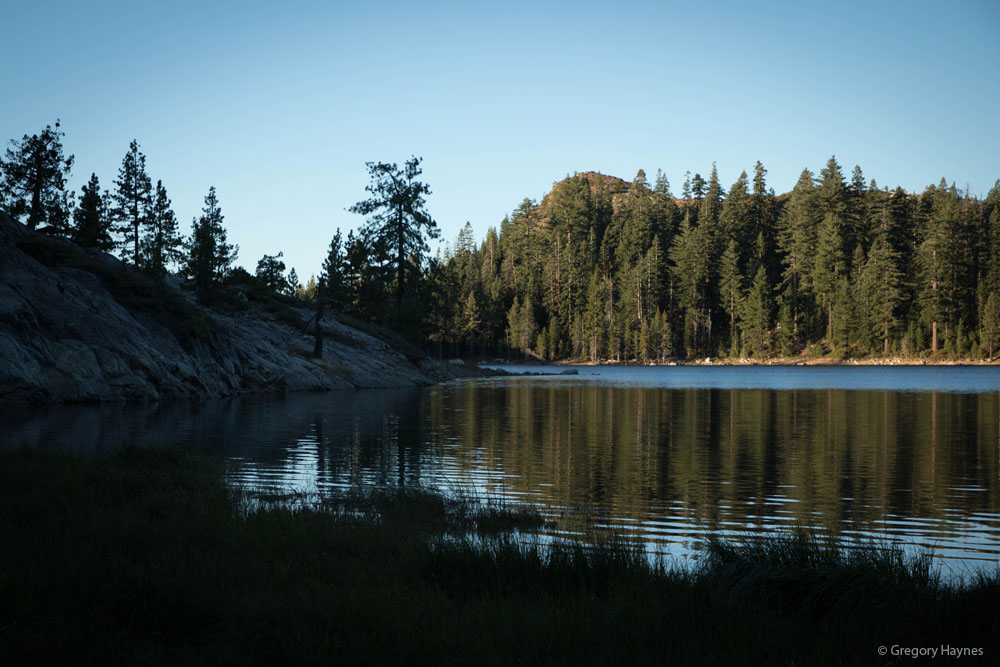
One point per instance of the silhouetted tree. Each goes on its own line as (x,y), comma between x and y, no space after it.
(335,273)
(293,286)
(398,222)
(271,272)
(33,187)
(209,256)
(91,225)
(132,200)
(162,244)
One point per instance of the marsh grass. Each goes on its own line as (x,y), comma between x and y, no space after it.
(146,557)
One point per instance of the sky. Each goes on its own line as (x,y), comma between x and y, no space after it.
(280,105)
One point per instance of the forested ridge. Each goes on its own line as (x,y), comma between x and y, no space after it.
(599,269)
(604,269)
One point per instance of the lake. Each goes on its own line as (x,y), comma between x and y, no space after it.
(662,454)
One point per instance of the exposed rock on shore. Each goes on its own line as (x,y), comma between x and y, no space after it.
(75,326)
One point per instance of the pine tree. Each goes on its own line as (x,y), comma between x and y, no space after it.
(710,206)
(842,316)
(697,188)
(368,279)
(730,290)
(470,320)
(514,324)
(736,218)
(162,244)
(832,192)
(763,214)
(664,348)
(33,187)
(881,282)
(634,218)
(857,211)
(466,241)
(308,293)
(594,317)
(797,233)
(992,269)
(692,278)
(398,219)
(784,341)
(935,255)
(91,226)
(635,223)
(555,343)
(755,319)
(830,266)
(209,256)
(661,185)
(335,273)
(271,272)
(527,325)
(294,286)
(645,349)
(521,325)
(132,200)
(990,336)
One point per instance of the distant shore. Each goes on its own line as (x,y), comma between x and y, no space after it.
(743,361)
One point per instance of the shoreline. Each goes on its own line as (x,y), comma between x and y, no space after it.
(776,361)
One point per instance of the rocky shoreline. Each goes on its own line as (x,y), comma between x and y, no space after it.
(75,329)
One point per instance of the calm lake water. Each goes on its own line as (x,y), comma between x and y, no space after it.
(666,454)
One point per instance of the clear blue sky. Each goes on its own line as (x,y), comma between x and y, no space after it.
(279,105)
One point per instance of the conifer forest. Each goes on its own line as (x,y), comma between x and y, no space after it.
(600,269)
(604,269)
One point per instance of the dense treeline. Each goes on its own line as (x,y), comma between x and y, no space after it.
(606,269)
(601,268)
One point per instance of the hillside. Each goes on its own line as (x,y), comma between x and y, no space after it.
(78,326)
(608,269)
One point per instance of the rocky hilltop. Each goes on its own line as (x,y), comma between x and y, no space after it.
(77,326)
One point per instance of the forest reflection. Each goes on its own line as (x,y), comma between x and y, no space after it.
(661,464)
(923,465)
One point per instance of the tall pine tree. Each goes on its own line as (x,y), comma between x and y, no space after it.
(162,244)
(33,188)
(209,255)
(132,201)
(755,317)
(91,226)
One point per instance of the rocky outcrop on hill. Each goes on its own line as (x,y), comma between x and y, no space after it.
(77,326)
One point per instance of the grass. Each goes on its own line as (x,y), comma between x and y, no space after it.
(145,557)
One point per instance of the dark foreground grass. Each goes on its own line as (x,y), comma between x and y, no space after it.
(146,558)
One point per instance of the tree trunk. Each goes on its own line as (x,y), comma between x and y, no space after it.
(318,344)
(35,215)
(400,256)
(136,241)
